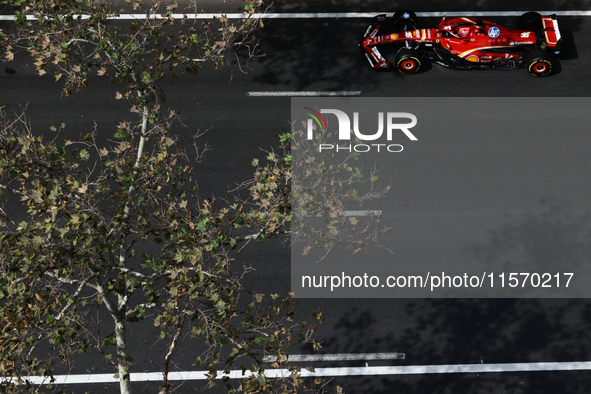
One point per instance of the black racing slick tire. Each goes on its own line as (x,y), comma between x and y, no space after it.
(539,63)
(404,20)
(408,61)
(530,21)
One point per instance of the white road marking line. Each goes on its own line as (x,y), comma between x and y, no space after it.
(348,214)
(328,15)
(305,94)
(453,368)
(362,213)
(499,13)
(298,358)
(327,372)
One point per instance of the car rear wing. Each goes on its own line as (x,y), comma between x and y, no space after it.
(372,54)
(551,32)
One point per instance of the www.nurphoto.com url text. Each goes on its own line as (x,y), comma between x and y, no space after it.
(441,280)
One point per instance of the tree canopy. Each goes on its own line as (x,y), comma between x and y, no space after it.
(117,226)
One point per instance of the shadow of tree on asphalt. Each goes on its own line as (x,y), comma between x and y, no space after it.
(317,60)
(471,331)
(553,236)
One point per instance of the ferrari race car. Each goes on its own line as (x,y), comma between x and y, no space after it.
(466,43)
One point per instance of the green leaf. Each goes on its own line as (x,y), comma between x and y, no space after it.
(198,362)
(121,134)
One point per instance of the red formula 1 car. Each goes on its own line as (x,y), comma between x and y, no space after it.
(466,43)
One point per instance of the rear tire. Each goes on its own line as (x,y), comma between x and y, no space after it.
(530,21)
(539,63)
(408,61)
(404,20)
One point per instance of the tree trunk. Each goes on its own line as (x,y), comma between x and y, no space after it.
(165,383)
(122,361)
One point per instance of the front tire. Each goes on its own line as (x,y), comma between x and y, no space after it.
(408,61)
(539,63)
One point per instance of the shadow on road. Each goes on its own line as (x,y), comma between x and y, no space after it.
(325,55)
(553,236)
(471,331)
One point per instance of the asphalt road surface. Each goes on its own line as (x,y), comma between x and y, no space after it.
(322,54)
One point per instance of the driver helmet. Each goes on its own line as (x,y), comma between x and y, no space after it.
(464,31)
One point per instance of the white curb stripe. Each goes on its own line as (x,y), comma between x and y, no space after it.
(338,357)
(499,13)
(327,15)
(328,372)
(348,214)
(362,213)
(305,94)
